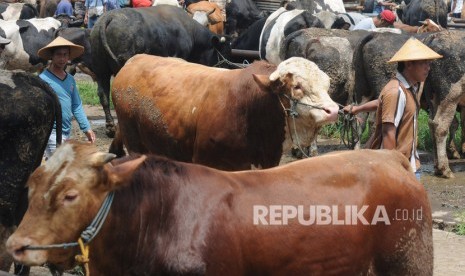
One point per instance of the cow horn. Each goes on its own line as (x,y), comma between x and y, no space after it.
(223,39)
(422,22)
(100,158)
(210,12)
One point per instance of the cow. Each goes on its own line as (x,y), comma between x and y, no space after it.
(207,14)
(175,218)
(17,11)
(280,24)
(47,8)
(315,6)
(228,119)
(332,51)
(162,30)
(27,37)
(419,10)
(240,14)
(28,109)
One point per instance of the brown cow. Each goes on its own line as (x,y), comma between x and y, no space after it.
(227,119)
(207,14)
(174,218)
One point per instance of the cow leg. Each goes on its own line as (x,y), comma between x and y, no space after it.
(116,146)
(104,95)
(452,152)
(440,125)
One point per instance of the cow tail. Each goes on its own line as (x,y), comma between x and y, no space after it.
(103,37)
(56,107)
(360,82)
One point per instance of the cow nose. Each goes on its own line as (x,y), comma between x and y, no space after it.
(332,112)
(16,247)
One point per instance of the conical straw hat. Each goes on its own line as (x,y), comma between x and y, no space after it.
(74,50)
(414,49)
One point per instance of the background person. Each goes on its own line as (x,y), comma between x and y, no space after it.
(94,9)
(385,19)
(60,51)
(456,8)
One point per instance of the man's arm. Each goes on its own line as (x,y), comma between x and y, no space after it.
(389,136)
(366,107)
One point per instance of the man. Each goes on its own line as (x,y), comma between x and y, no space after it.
(385,19)
(60,51)
(94,9)
(397,106)
(3,43)
(456,8)
(64,7)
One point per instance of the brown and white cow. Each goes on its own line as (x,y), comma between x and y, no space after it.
(207,14)
(226,119)
(174,218)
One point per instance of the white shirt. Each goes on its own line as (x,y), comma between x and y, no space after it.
(365,24)
(458,6)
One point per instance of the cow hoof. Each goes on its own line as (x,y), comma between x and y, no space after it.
(110,131)
(444,173)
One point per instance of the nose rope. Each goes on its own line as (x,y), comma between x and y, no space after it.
(86,236)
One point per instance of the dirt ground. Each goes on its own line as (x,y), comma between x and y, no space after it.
(447,198)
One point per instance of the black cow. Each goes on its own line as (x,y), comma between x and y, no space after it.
(280,24)
(17,11)
(28,109)
(162,30)
(419,10)
(240,14)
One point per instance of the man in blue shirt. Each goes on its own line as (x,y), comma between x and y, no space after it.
(60,51)
(64,7)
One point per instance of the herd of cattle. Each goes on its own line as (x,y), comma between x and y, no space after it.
(171,101)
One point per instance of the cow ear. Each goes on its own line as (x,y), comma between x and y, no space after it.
(23,26)
(120,174)
(263,81)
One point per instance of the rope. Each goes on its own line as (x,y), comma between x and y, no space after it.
(83,259)
(348,128)
(222,60)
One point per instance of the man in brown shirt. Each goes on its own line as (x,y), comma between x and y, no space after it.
(397,106)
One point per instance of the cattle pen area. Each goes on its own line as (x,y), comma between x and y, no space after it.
(232,137)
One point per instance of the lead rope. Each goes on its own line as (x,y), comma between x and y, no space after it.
(86,236)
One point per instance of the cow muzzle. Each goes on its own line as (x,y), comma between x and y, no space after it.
(16,247)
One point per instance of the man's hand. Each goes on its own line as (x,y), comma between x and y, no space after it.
(90,135)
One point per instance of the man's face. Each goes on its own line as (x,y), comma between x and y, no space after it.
(60,57)
(418,69)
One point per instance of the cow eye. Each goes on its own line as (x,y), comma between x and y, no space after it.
(70,196)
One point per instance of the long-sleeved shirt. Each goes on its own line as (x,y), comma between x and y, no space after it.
(70,100)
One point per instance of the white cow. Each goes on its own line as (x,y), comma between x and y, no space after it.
(27,37)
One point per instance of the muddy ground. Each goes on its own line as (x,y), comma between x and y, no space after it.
(447,198)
